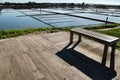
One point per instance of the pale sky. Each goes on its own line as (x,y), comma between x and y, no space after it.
(113,2)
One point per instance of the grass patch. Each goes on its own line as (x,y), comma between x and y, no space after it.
(13,33)
(112,32)
(101,26)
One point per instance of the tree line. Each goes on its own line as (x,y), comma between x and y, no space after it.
(53,5)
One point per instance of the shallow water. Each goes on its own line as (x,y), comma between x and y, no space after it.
(9,20)
(17,19)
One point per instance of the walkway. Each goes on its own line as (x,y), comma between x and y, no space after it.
(48,56)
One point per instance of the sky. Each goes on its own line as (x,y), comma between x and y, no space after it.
(112,2)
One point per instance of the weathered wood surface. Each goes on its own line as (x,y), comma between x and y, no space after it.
(102,37)
(34,57)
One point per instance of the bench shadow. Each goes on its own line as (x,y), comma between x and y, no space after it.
(88,66)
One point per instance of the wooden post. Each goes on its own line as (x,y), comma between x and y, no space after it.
(71,37)
(106,20)
(79,38)
(104,55)
(40,10)
(112,58)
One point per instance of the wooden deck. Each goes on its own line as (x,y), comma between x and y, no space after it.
(49,57)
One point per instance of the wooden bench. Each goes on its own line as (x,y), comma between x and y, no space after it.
(105,39)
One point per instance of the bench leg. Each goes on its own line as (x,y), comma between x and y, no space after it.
(112,58)
(71,37)
(104,55)
(79,38)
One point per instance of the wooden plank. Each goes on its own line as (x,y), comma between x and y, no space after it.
(18,64)
(11,65)
(56,61)
(29,49)
(43,54)
(41,57)
(31,68)
(4,69)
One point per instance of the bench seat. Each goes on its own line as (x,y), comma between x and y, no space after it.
(95,35)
